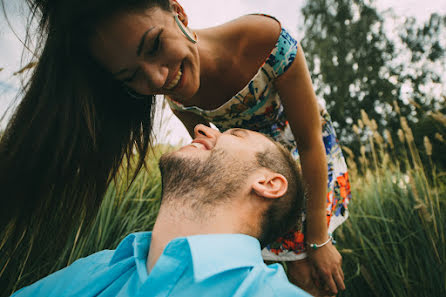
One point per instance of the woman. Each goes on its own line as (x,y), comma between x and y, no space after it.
(106,60)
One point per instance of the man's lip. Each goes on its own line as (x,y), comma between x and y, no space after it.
(203,142)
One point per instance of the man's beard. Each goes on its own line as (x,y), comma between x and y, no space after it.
(203,182)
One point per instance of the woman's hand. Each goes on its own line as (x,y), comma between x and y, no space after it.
(299,273)
(320,274)
(326,269)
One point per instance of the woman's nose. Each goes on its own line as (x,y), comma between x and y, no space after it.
(208,132)
(155,75)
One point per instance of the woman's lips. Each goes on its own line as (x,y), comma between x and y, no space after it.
(173,83)
(177,80)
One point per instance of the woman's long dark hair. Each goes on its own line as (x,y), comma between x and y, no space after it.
(70,133)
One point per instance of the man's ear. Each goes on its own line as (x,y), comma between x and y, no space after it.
(272,185)
(178,9)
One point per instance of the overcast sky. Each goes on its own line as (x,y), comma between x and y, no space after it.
(202,13)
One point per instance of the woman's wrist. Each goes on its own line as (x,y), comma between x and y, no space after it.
(315,246)
(316,227)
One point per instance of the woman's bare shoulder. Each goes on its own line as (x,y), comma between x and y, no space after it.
(250,38)
(252,30)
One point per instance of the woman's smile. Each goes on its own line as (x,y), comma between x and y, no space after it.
(175,81)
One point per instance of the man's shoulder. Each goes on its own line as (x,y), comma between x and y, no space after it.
(73,274)
(91,275)
(271,280)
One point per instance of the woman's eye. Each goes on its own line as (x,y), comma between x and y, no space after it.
(156,45)
(131,78)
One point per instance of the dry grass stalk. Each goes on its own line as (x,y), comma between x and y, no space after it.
(401,135)
(388,137)
(362,150)
(346,251)
(411,144)
(352,168)
(348,151)
(368,278)
(365,118)
(363,158)
(427,145)
(373,125)
(378,138)
(355,129)
(414,104)
(385,160)
(396,107)
(420,206)
(439,137)
(439,117)
(360,124)
(406,129)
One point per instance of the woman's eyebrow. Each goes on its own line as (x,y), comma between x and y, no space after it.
(141,42)
(120,72)
(138,50)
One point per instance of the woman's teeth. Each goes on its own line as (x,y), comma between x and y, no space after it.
(175,81)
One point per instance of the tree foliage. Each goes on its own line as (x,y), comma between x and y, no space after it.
(358,62)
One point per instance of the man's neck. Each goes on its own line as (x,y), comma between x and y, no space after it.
(175,221)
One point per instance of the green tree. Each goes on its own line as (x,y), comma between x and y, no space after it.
(347,51)
(356,65)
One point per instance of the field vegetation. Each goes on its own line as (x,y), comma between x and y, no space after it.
(393,244)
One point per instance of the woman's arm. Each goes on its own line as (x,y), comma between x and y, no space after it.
(301,107)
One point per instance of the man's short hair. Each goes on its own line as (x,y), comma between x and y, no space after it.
(286,210)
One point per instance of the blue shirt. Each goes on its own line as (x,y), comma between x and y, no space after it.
(202,265)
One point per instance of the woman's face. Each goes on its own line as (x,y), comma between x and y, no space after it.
(148,53)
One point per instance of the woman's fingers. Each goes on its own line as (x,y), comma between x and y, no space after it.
(315,276)
(330,285)
(339,279)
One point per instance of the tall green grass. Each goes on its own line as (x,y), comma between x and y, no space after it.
(122,212)
(393,244)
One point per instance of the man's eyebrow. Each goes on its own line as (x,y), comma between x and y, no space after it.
(239,130)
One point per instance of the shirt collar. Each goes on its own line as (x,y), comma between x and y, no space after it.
(210,253)
(215,253)
(133,245)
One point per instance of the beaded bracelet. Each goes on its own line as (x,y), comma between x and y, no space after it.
(316,246)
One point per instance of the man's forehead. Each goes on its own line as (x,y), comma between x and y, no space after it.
(254,135)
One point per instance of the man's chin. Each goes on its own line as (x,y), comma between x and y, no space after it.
(179,161)
(186,153)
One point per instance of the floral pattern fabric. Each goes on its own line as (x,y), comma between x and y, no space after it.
(258,107)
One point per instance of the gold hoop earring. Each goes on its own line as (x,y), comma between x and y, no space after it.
(180,25)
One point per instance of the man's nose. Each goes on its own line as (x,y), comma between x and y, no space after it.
(155,74)
(208,132)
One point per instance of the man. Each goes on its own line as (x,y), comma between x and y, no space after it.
(224,196)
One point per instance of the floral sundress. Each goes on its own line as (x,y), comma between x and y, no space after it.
(257,107)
